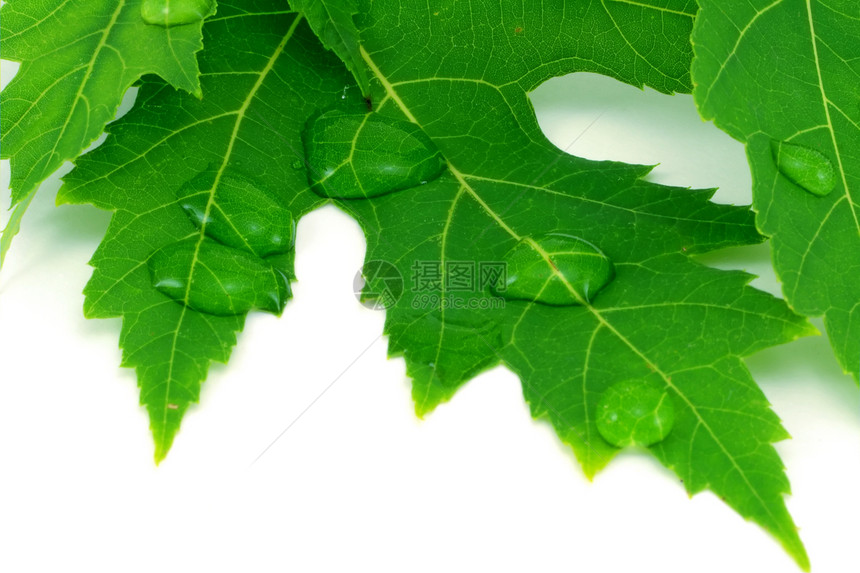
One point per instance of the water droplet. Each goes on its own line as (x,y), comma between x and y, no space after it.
(225,281)
(298,164)
(354,156)
(807,168)
(284,262)
(168,13)
(241,215)
(555,269)
(635,412)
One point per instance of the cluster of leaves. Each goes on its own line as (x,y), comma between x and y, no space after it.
(414,118)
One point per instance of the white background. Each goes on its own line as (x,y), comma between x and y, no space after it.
(358,483)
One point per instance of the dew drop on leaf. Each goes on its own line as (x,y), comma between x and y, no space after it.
(168,13)
(555,269)
(807,168)
(240,214)
(635,412)
(354,156)
(225,281)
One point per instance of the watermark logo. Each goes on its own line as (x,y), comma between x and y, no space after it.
(378,285)
(458,276)
(433,285)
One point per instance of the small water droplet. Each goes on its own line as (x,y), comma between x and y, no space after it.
(167,13)
(635,412)
(555,269)
(241,215)
(298,164)
(354,156)
(807,168)
(225,281)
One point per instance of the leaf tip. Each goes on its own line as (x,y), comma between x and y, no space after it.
(590,472)
(162,447)
(797,551)
(164,424)
(422,409)
(163,444)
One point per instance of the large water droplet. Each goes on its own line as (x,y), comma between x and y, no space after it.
(635,412)
(555,269)
(241,215)
(354,156)
(225,281)
(807,168)
(168,13)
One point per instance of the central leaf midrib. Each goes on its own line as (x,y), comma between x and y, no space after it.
(240,115)
(825,103)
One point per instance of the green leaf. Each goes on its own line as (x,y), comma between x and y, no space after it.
(204,194)
(784,78)
(332,21)
(508,196)
(78,59)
